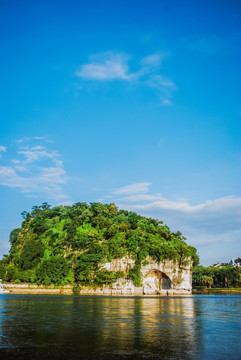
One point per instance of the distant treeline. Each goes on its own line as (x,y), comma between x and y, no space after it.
(226,276)
(68,244)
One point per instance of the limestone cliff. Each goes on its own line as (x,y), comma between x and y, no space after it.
(164,278)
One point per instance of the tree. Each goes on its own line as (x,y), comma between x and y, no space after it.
(14,236)
(45,206)
(207,280)
(31,254)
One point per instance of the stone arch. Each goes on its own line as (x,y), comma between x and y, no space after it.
(155,281)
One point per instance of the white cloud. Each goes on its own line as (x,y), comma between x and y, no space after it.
(133,189)
(36,171)
(106,66)
(205,224)
(29,139)
(209,206)
(138,198)
(164,86)
(2,149)
(153,59)
(111,65)
(162,81)
(36,154)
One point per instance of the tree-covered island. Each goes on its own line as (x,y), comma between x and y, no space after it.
(69,244)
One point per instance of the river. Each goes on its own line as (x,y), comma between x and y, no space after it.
(198,327)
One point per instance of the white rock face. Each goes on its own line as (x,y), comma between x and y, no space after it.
(124,264)
(165,278)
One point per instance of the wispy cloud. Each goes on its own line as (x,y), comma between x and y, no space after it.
(2,149)
(164,86)
(153,59)
(205,223)
(138,192)
(133,189)
(109,66)
(106,66)
(30,139)
(35,170)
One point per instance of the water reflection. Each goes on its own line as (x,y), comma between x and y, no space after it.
(115,327)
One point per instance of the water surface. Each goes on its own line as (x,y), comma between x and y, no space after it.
(93,327)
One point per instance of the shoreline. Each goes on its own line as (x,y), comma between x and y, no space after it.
(33,289)
(218,291)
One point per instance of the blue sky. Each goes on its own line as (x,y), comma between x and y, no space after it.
(134,102)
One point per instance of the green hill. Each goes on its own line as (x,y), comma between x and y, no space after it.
(67,244)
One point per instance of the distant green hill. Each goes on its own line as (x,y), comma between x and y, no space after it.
(67,244)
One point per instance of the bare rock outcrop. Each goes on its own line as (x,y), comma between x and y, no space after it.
(164,278)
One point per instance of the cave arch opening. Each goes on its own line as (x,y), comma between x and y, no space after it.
(156,281)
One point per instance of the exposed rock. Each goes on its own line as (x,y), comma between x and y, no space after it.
(165,278)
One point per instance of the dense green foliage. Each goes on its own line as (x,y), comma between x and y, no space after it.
(69,243)
(226,276)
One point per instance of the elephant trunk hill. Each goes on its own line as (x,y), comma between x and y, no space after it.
(98,249)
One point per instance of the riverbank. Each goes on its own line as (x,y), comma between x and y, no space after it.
(217,291)
(39,289)
(34,289)
(26,288)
